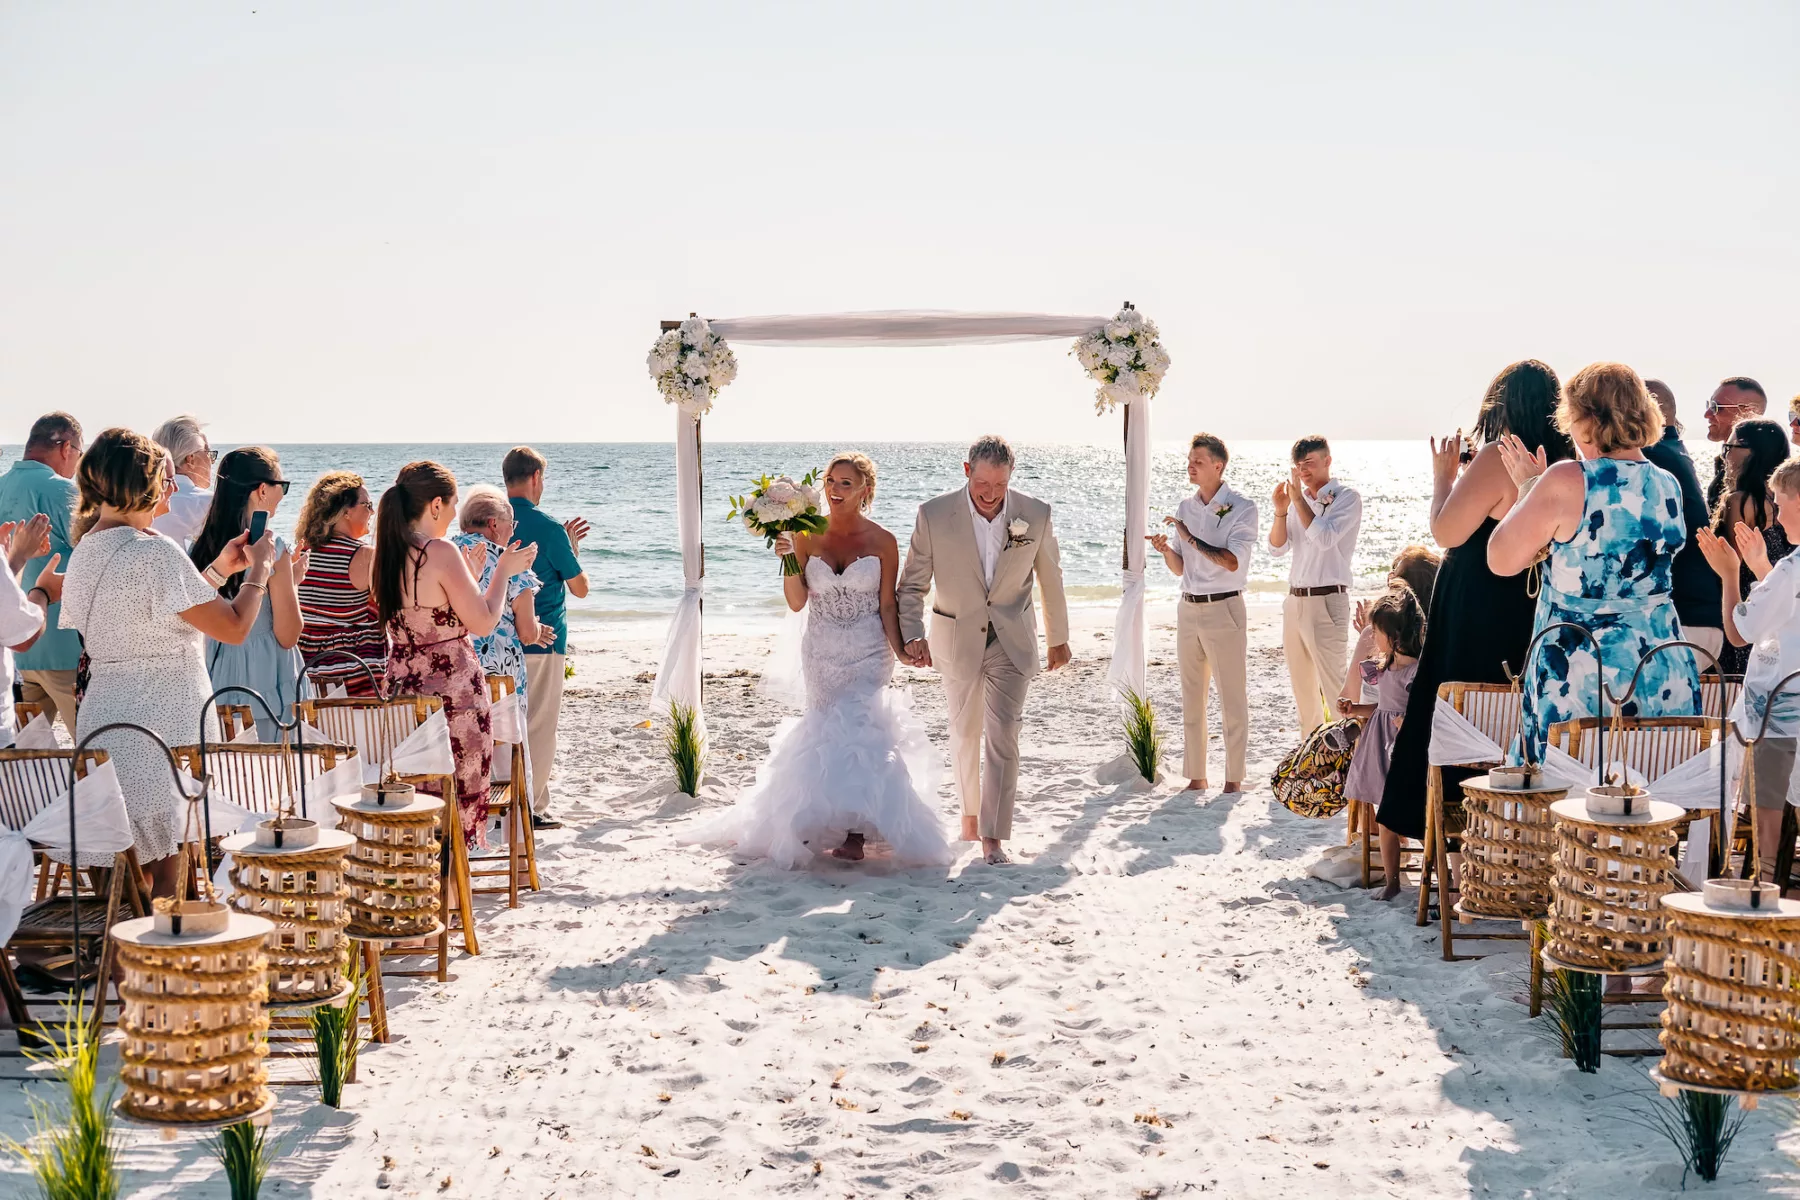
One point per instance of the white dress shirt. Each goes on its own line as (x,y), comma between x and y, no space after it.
(187,512)
(1769,618)
(20,617)
(1227,521)
(1323,550)
(990,537)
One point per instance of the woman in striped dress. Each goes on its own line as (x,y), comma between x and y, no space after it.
(338,613)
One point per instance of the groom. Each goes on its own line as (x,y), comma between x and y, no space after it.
(982,546)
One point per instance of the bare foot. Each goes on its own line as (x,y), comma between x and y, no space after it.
(1233,787)
(993,853)
(1197,785)
(851,850)
(1389,892)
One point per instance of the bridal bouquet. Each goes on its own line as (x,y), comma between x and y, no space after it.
(779,505)
(690,365)
(1125,357)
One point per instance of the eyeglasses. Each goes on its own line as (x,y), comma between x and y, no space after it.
(1714,408)
(283,484)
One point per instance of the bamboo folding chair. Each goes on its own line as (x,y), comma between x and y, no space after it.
(234,719)
(30,781)
(265,779)
(375,738)
(1652,747)
(25,711)
(1493,708)
(509,799)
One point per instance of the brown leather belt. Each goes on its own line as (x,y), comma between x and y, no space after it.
(1216,596)
(1320,591)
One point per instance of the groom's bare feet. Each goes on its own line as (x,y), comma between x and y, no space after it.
(851,850)
(1233,787)
(994,854)
(1197,785)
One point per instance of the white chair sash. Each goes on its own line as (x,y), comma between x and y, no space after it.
(424,751)
(17,888)
(1455,742)
(37,735)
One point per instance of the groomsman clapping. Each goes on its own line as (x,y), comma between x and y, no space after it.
(1208,544)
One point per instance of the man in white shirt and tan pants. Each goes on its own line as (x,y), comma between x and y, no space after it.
(1209,543)
(1319,518)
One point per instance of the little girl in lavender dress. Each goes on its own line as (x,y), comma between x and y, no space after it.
(1398,625)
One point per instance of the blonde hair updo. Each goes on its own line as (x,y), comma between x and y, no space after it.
(863,465)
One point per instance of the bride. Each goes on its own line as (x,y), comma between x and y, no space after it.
(840,770)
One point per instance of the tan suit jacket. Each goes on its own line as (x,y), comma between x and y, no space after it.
(943,557)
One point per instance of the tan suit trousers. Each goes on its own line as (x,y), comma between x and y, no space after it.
(1315,636)
(543,704)
(54,690)
(985,712)
(1211,644)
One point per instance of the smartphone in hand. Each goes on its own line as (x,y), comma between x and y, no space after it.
(259,524)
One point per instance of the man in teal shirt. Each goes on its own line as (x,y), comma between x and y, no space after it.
(40,483)
(558,566)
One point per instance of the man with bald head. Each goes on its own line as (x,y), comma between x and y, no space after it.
(1734,400)
(1696,587)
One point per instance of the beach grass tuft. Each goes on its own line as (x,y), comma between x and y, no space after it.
(244,1150)
(1701,1125)
(1574,1002)
(73,1149)
(338,1038)
(686,747)
(1143,740)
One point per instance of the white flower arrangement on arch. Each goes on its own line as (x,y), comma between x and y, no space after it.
(1124,357)
(690,365)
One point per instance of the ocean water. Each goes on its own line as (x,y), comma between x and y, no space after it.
(626,491)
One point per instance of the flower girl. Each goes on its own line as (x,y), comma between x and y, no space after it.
(1398,623)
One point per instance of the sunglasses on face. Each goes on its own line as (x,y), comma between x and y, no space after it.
(283,484)
(1734,446)
(1714,408)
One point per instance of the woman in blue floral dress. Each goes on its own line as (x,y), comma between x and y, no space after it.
(1611,522)
(487,526)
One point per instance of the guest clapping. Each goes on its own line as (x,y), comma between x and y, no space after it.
(1611,524)
(185,440)
(428,598)
(1696,587)
(1736,399)
(1767,618)
(1208,543)
(40,483)
(337,613)
(21,612)
(268,660)
(141,608)
(487,528)
(1315,618)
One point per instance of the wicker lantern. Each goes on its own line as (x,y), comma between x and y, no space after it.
(1733,1017)
(192,986)
(1509,847)
(293,873)
(1615,861)
(394,869)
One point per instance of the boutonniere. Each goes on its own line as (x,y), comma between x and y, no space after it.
(1222,511)
(1015,532)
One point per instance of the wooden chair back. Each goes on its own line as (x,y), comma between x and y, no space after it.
(262,778)
(1651,746)
(24,712)
(32,780)
(1493,708)
(234,719)
(1718,695)
(372,725)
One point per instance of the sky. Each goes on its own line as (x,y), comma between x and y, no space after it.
(335,222)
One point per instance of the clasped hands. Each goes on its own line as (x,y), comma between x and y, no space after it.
(917,653)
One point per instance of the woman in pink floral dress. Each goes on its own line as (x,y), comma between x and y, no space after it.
(433,609)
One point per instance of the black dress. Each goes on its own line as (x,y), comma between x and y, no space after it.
(1480,623)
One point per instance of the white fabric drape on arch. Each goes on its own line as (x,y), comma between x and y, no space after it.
(678,678)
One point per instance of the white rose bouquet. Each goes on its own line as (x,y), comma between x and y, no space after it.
(780,505)
(690,365)
(1124,356)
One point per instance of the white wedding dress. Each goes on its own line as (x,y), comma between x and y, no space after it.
(856,760)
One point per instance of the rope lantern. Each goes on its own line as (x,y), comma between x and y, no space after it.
(1733,1016)
(393,871)
(192,987)
(1508,846)
(1615,861)
(290,872)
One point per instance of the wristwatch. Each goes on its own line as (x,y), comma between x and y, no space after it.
(212,576)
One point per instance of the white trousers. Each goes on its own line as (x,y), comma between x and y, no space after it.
(985,711)
(1315,637)
(1211,643)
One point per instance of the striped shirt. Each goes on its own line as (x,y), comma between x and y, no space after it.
(339,617)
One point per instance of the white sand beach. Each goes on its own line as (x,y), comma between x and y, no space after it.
(1157,1001)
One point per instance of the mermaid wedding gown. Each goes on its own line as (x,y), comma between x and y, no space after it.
(856,760)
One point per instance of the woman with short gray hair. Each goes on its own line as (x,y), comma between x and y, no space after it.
(185,440)
(487,526)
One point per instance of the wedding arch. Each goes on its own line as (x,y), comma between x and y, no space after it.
(691,360)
